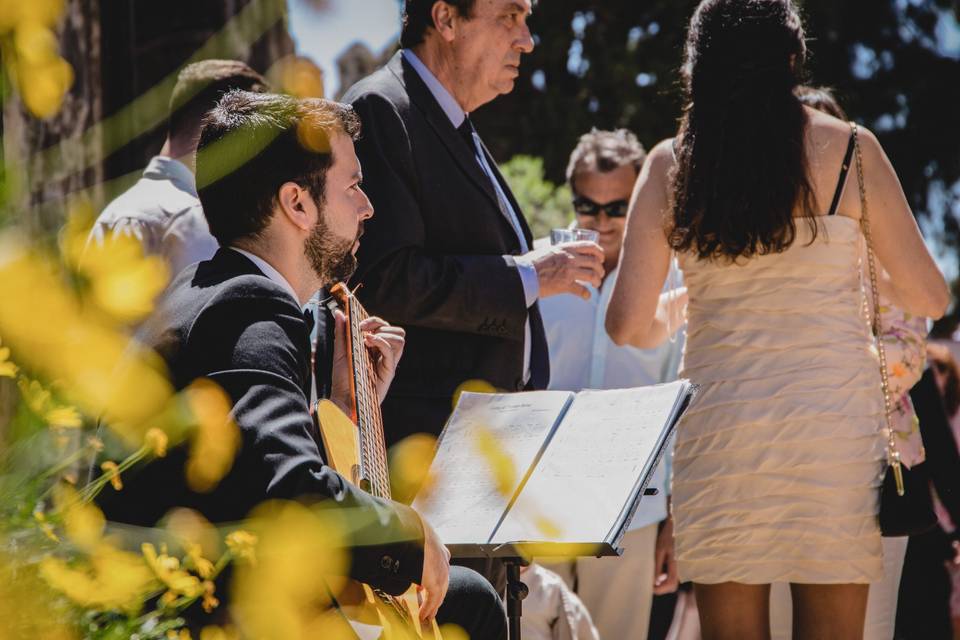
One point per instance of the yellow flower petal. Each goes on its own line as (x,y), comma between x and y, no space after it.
(113,579)
(43,85)
(111,469)
(301,77)
(210,602)
(35,43)
(7,368)
(498,461)
(46,12)
(63,417)
(83,522)
(216,439)
(299,550)
(242,545)
(157,441)
(201,565)
(124,282)
(167,569)
(101,371)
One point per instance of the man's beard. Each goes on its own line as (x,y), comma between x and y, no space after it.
(330,257)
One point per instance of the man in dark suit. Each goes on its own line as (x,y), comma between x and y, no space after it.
(449,255)
(280,188)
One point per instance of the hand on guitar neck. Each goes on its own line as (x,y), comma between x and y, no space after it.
(385,344)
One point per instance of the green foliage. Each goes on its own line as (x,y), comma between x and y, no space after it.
(544,204)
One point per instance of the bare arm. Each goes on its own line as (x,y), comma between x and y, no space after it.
(645,259)
(918,286)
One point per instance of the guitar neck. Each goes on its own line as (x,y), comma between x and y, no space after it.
(365,403)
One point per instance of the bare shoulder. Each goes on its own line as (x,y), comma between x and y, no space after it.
(826,131)
(660,162)
(662,157)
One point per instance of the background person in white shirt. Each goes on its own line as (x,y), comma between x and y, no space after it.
(162,210)
(617,591)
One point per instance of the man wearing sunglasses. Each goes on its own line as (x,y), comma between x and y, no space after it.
(618,592)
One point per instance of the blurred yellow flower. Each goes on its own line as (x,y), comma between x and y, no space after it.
(28,606)
(44,11)
(474,386)
(181,634)
(98,368)
(499,462)
(123,281)
(45,526)
(43,85)
(7,368)
(95,443)
(113,579)
(216,439)
(167,569)
(34,43)
(191,529)
(243,546)
(156,440)
(202,566)
(287,594)
(41,402)
(210,602)
(219,633)
(83,522)
(301,77)
(410,465)
(112,471)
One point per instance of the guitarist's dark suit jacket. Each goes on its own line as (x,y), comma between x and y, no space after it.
(436,256)
(225,320)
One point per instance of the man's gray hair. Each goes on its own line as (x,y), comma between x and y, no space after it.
(604,151)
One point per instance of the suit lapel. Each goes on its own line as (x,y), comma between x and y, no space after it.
(420,95)
(234,263)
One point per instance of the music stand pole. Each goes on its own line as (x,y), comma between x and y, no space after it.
(516,592)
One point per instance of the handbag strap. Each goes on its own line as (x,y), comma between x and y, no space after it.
(893,454)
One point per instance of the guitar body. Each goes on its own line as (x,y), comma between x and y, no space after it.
(398,616)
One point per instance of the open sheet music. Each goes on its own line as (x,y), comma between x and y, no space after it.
(548,466)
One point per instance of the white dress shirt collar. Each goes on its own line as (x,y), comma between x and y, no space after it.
(164,168)
(447,102)
(270,272)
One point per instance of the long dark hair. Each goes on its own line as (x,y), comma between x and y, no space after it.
(741,165)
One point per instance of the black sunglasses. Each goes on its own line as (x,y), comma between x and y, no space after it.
(587,207)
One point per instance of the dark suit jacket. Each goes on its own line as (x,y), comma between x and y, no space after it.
(435,257)
(226,321)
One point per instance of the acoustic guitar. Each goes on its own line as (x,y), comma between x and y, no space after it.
(355,449)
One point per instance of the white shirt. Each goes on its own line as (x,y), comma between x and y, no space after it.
(271,273)
(456,114)
(582,356)
(163,212)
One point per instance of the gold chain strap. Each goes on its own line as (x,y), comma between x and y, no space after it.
(893,454)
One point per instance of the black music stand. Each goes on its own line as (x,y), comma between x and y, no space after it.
(515,555)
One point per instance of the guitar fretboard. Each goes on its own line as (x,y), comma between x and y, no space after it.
(373,452)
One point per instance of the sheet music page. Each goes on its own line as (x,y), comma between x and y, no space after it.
(485,450)
(601,450)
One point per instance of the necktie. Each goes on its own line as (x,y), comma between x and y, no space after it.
(466,132)
(309,319)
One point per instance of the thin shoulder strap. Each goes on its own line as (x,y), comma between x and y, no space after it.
(842,182)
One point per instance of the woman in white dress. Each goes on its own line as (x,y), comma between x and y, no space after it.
(779,459)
